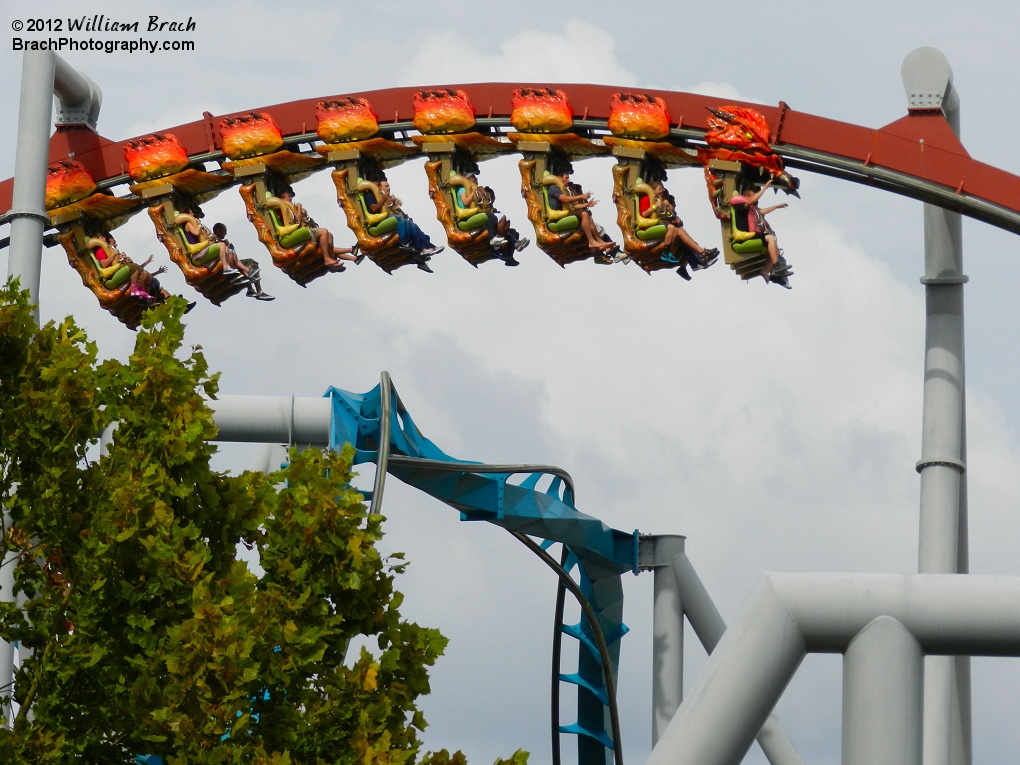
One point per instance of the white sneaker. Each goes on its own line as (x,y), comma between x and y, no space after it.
(522,243)
(498,242)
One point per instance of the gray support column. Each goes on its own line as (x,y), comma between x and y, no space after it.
(679,593)
(667,635)
(273,419)
(28,223)
(28,203)
(928,80)
(43,74)
(788,615)
(883,679)
(734,695)
(709,626)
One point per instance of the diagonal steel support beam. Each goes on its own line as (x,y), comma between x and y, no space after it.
(786,616)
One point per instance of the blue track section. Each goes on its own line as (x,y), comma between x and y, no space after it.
(537,501)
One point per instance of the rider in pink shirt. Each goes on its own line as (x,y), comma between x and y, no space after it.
(757,224)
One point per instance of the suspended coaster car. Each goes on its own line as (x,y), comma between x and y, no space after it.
(110,285)
(543,118)
(199,261)
(376,231)
(557,232)
(253,143)
(640,141)
(466,230)
(465,227)
(643,235)
(744,251)
(293,248)
(158,165)
(348,128)
(291,245)
(739,151)
(446,120)
(73,203)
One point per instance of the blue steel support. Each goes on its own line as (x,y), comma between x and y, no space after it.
(490,493)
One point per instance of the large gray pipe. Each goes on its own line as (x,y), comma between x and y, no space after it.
(942,548)
(273,419)
(44,75)
(883,678)
(709,625)
(788,615)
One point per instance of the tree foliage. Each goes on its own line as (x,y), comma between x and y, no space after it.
(148,634)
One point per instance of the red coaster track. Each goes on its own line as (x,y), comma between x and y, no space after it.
(916,156)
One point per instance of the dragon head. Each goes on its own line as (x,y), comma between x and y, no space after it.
(739,134)
(737,127)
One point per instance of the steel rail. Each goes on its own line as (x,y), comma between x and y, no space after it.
(473,467)
(384,459)
(383,449)
(915,157)
(795,157)
(902,184)
(557,661)
(600,640)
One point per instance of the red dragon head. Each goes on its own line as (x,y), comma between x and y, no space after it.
(739,134)
(740,128)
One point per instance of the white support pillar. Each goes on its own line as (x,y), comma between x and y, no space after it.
(732,699)
(928,80)
(883,679)
(667,635)
(680,594)
(709,626)
(302,421)
(788,615)
(7,649)
(28,203)
(43,75)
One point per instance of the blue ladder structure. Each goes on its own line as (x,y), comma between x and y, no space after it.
(381,431)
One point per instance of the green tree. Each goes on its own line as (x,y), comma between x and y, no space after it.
(149,635)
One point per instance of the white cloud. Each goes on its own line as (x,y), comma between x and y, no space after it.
(719,90)
(583,52)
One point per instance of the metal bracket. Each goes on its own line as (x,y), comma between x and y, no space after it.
(961,279)
(10,215)
(945,462)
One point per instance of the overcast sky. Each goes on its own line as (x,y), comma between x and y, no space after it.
(777,430)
